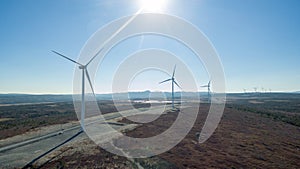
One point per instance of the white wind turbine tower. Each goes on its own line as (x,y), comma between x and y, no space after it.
(173,81)
(84,73)
(208,90)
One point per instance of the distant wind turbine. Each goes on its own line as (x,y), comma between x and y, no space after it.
(173,81)
(255,89)
(208,90)
(84,73)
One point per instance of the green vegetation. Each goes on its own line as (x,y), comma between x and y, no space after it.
(284,117)
(18,119)
(277,108)
(22,118)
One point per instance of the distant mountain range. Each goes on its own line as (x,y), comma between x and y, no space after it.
(29,98)
(145,95)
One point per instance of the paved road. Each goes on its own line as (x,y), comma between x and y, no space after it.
(19,154)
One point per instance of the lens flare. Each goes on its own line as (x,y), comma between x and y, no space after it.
(152,5)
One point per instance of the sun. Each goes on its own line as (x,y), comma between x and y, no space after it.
(152,5)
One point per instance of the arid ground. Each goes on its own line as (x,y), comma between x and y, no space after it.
(256,131)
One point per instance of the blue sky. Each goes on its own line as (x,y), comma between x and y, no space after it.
(258,41)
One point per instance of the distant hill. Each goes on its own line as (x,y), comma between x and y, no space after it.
(144,95)
(29,98)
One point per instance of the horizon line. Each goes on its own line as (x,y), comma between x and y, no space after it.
(231,92)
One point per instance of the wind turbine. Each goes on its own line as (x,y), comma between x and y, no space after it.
(208,90)
(173,82)
(84,73)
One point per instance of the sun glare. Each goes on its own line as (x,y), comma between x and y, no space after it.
(152,5)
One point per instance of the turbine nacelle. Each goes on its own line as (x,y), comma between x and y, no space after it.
(82,67)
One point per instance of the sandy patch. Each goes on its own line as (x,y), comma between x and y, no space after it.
(5,119)
(255,102)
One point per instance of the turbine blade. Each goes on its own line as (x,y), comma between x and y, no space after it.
(90,82)
(174,71)
(66,57)
(94,57)
(165,81)
(177,84)
(204,86)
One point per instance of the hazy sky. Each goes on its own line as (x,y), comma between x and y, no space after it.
(258,42)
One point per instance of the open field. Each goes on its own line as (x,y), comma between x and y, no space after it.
(256,131)
(242,140)
(18,119)
(24,118)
